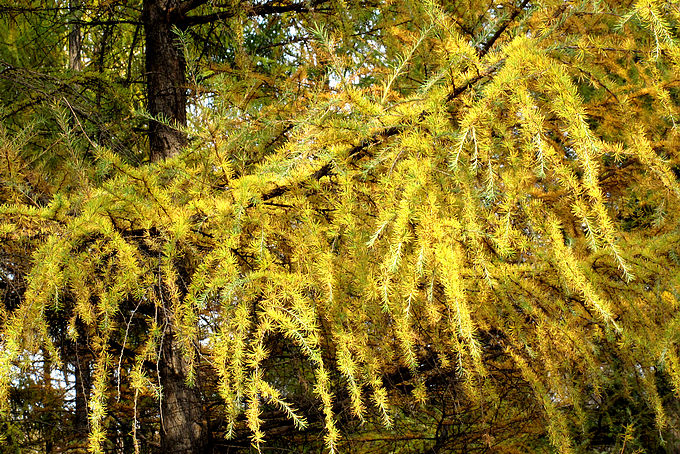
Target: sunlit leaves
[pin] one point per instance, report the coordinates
(471, 209)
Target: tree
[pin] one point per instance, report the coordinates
(435, 201)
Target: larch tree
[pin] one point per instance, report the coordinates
(454, 224)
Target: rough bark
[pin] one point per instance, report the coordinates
(74, 40)
(166, 79)
(184, 428)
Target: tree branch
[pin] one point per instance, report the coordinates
(183, 21)
(363, 148)
(189, 5)
(491, 41)
(355, 153)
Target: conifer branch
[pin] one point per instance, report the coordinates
(362, 149)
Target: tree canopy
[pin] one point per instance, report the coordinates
(419, 226)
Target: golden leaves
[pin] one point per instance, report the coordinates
(470, 205)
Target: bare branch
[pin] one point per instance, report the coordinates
(266, 9)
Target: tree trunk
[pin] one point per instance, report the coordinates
(74, 39)
(184, 427)
(183, 423)
(48, 400)
(166, 79)
(83, 386)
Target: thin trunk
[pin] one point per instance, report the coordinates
(81, 362)
(47, 389)
(108, 29)
(184, 427)
(83, 386)
(74, 40)
(166, 80)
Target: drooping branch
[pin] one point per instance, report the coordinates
(363, 148)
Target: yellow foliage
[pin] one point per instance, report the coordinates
(493, 206)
